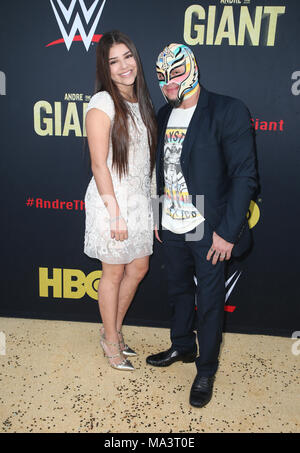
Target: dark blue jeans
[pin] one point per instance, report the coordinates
(201, 305)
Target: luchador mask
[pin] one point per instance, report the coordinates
(170, 60)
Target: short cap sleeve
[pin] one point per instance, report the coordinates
(102, 101)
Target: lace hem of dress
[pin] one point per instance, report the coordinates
(110, 260)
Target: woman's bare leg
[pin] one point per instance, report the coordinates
(108, 295)
(134, 273)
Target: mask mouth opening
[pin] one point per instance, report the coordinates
(175, 103)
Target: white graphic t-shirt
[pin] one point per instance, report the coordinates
(178, 215)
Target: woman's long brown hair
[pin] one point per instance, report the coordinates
(120, 134)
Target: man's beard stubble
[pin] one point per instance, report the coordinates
(175, 103)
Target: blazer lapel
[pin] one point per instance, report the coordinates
(194, 126)
(190, 137)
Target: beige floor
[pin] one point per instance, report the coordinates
(54, 378)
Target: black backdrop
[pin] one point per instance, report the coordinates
(45, 84)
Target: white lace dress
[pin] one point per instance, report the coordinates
(132, 194)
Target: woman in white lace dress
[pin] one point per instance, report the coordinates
(121, 133)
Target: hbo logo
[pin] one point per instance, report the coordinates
(68, 283)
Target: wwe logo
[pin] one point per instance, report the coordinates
(229, 286)
(227, 283)
(77, 24)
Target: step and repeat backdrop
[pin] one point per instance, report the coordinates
(247, 49)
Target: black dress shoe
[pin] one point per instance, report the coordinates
(201, 391)
(170, 356)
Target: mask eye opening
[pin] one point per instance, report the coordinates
(160, 76)
(178, 71)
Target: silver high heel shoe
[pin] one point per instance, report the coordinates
(124, 365)
(124, 347)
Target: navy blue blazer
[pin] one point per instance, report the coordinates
(217, 161)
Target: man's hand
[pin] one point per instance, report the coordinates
(220, 249)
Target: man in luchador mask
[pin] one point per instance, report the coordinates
(214, 160)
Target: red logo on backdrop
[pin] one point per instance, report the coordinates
(65, 19)
(262, 125)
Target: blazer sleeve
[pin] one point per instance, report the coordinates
(239, 150)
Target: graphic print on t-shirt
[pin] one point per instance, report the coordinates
(177, 205)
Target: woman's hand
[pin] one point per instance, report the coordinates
(156, 234)
(118, 229)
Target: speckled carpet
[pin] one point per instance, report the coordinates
(55, 379)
